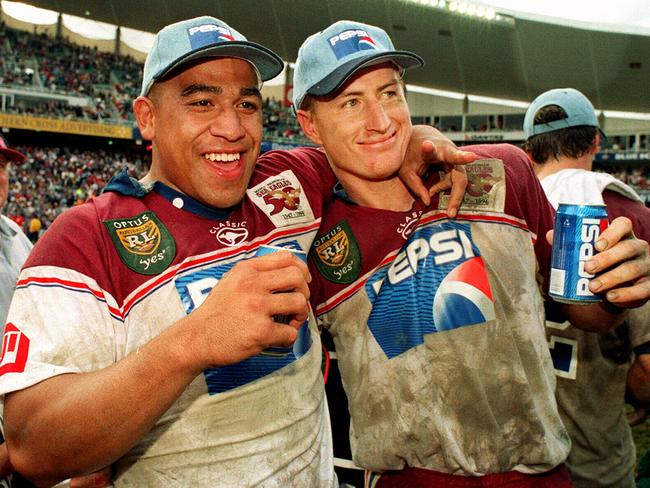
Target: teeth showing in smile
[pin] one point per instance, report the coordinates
(222, 157)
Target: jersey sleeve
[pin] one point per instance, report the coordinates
(60, 319)
(639, 214)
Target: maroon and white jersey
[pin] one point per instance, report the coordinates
(439, 325)
(111, 274)
(592, 368)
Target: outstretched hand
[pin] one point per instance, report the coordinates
(428, 146)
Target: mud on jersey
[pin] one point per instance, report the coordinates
(111, 274)
(439, 326)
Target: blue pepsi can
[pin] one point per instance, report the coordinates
(577, 227)
(263, 250)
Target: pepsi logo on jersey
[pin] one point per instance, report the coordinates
(437, 283)
(464, 297)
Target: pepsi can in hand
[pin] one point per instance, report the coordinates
(283, 319)
(577, 227)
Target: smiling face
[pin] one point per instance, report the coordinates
(205, 124)
(365, 127)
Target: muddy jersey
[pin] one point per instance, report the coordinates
(439, 326)
(111, 274)
(592, 368)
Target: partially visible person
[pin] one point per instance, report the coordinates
(438, 323)
(14, 249)
(593, 370)
(14, 244)
(35, 226)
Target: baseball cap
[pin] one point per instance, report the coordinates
(11, 154)
(204, 37)
(328, 58)
(579, 110)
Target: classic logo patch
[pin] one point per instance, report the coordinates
(336, 254)
(281, 198)
(230, 234)
(486, 186)
(15, 349)
(143, 243)
(410, 222)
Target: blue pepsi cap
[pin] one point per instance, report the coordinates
(204, 37)
(326, 60)
(579, 110)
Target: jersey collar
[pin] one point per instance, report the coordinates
(126, 185)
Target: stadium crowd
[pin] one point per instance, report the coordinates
(638, 178)
(32, 61)
(54, 179)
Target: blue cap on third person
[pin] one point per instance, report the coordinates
(204, 37)
(578, 108)
(326, 60)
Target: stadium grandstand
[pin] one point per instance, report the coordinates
(69, 81)
(69, 72)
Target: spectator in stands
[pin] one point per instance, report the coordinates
(35, 226)
(562, 138)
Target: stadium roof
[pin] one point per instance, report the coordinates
(512, 56)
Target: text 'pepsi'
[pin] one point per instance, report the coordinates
(577, 227)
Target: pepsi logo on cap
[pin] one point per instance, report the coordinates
(351, 41)
(206, 34)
